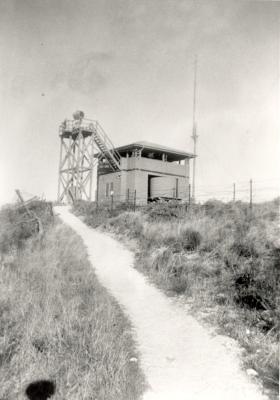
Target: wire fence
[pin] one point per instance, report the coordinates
(254, 191)
(250, 192)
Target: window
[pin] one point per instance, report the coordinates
(107, 189)
(112, 188)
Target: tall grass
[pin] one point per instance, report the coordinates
(58, 323)
(16, 225)
(224, 259)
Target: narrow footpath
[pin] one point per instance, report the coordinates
(180, 358)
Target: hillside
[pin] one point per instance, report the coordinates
(57, 323)
(222, 259)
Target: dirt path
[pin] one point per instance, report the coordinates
(180, 359)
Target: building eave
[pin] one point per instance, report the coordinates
(154, 147)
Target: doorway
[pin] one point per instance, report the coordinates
(151, 193)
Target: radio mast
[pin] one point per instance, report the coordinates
(194, 131)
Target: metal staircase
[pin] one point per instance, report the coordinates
(71, 128)
(106, 147)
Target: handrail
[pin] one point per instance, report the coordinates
(108, 140)
(94, 127)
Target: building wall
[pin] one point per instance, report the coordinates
(103, 180)
(141, 186)
(134, 176)
(156, 166)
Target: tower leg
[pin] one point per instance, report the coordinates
(76, 164)
(59, 171)
(91, 167)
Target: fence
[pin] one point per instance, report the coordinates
(249, 192)
(34, 212)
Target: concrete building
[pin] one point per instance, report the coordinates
(147, 172)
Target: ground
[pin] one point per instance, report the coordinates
(180, 358)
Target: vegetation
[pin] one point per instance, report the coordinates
(16, 225)
(57, 323)
(223, 258)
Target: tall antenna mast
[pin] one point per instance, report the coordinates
(194, 134)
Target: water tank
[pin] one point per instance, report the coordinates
(78, 115)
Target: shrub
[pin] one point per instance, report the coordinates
(16, 225)
(178, 285)
(96, 215)
(161, 258)
(190, 239)
(213, 208)
(165, 210)
(127, 222)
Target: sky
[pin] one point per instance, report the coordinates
(130, 64)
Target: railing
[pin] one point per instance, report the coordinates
(107, 141)
(110, 153)
(70, 125)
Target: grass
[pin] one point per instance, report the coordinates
(223, 259)
(58, 323)
(16, 225)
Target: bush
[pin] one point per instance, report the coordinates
(96, 215)
(84, 207)
(214, 208)
(165, 210)
(191, 239)
(128, 222)
(16, 225)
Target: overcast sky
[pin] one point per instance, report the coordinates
(129, 64)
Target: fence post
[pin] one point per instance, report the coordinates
(134, 201)
(31, 214)
(97, 196)
(251, 195)
(233, 198)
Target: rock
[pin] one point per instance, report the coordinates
(221, 298)
(276, 243)
(170, 359)
(251, 372)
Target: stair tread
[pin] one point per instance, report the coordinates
(108, 152)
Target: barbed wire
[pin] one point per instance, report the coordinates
(262, 190)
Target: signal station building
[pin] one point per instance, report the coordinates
(147, 172)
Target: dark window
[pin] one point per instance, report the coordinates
(107, 189)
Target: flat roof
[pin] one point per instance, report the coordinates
(156, 148)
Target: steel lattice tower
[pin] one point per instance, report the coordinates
(79, 139)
